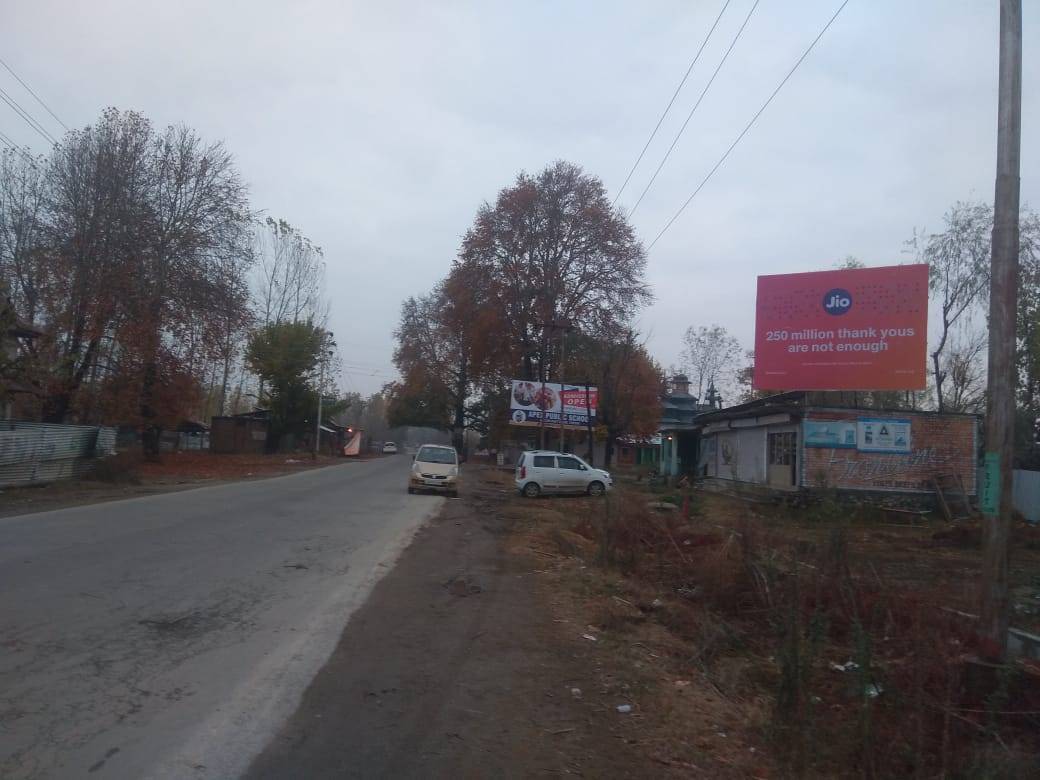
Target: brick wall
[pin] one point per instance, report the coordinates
(939, 445)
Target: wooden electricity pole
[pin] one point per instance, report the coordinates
(1003, 304)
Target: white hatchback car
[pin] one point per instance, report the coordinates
(541, 471)
(390, 448)
(435, 468)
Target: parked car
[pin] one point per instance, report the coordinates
(390, 448)
(541, 471)
(435, 468)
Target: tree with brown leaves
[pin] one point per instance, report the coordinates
(551, 249)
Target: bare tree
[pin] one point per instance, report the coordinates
(849, 263)
(95, 205)
(195, 219)
(21, 230)
(711, 357)
(958, 260)
(964, 370)
(290, 279)
(1028, 357)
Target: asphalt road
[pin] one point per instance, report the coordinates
(172, 635)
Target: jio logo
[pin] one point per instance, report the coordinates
(837, 301)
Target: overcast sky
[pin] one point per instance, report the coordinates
(379, 128)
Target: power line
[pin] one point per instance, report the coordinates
(16, 148)
(693, 110)
(27, 117)
(360, 364)
(667, 108)
(31, 92)
(749, 124)
(366, 364)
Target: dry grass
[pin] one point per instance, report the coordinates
(734, 617)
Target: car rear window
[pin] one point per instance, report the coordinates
(435, 455)
(544, 461)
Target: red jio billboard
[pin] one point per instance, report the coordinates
(853, 329)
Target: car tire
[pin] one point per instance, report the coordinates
(596, 488)
(453, 494)
(531, 490)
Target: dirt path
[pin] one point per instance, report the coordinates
(454, 667)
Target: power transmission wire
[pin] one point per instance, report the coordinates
(358, 364)
(749, 124)
(27, 117)
(367, 364)
(667, 108)
(350, 381)
(31, 92)
(693, 110)
(16, 148)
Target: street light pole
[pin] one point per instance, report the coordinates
(563, 363)
(325, 351)
(588, 425)
(996, 500)
(541, 397)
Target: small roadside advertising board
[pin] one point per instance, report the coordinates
(882, 435)
(542, 403)
(830, 433)
(850, 329)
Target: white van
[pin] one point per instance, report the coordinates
(541, 471)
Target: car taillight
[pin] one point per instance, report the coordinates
(523, 472)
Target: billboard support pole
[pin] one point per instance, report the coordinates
(588, 423)
(996, 500)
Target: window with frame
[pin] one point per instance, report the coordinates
(544, 462)
(782, 448)
(569, 463)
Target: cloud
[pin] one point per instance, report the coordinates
(379, 129)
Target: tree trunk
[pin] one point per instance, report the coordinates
(56, 408)
(152, 432)
(458, 428)
(940, 404)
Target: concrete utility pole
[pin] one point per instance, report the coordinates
(1003, 305)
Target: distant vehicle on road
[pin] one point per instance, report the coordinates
(542, 471)
(435, 468)
(390, 448)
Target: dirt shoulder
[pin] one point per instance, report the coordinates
(459, 666)
(129, 477)
(739, 642)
